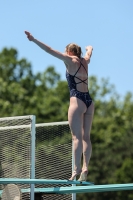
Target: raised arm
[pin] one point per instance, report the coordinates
(88, 54)
(57, 54)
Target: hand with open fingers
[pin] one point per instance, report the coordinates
(89, 48)
(29, 36)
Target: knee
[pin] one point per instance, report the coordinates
(76, 137)
(86, 138)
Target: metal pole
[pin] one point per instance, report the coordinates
(33, 119)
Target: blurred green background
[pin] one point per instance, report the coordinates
(46, 96)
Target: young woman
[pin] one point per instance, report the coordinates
(81, 108)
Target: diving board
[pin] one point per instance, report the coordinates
(65, 190)
(86, 189)
(41, 181)
(81, 189)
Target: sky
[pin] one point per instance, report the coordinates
(107, 25)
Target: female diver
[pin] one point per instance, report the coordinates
(81, 108)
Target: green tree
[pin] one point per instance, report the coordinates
(22, 93)
(111, 134)
(47, 97)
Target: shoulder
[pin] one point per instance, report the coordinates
(75, 59)
(84, 63)
(72, 60)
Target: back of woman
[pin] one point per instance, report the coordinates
(77, 77)
(79, 70)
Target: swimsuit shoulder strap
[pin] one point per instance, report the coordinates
(79, 68)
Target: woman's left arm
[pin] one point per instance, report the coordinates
(57, 54)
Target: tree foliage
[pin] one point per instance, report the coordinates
(46, 96)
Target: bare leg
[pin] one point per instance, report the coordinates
(75, 116)
(87, 147)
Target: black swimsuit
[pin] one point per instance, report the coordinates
(84, 96)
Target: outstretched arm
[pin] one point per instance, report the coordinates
(88, 54)
(48, 49)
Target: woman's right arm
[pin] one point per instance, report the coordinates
(62, 56)
(88, 54)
